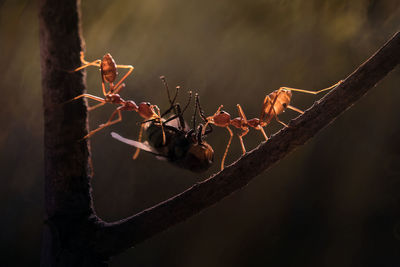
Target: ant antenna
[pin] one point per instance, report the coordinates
(201, 112)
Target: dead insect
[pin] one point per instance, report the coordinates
(274, 104)
(109, 73)
(183, 147)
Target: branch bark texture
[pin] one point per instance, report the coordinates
(68, 202)
(115, 237)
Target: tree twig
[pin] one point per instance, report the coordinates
(115, 237)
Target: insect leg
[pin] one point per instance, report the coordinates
(162, 127)
(311, 92)
(115, 89)
(179, 114)
(278, 120)
(110, 120)
(88, 96)
(96, 106)
(104, 125)
(261, 129)
(227, 147)
(136, 154)
(241, 139)
(86, 64)
(241, 113)
(188, 103)
(295, 109)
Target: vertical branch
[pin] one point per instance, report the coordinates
(68, 201)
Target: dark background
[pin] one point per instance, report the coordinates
(333, 202)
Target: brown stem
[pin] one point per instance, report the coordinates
(117, 236)
(70, 219)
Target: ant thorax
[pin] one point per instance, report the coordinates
(222, 119)
(114, 98)
(145, 110)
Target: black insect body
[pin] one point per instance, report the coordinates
(174, 141)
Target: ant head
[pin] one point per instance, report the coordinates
(146, 110)
(221, 119)
(287, 92)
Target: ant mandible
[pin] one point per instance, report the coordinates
(274, 104)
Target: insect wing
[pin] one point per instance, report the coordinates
(142, 146)
(175, 123)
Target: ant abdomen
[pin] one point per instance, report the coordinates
(108, 68)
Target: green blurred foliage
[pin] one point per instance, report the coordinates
(334, 202)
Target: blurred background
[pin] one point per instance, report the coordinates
(333, 202)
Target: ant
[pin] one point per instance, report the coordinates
(109, 73)
(274, 104)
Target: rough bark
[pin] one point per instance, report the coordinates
(74, 235)
(70, 218)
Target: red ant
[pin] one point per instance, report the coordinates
(108, 69)
(274, 104)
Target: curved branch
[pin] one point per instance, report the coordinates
(115, 237)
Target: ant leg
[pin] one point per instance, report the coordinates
(295, 109)
(108, 123)
(311, 92)
(86, 64)
(209, 130)
(82, 56)
(88, 96)
(210, 120)
(241, 113)
(102, 101)
(103, 87)
(241, 139)
(136, 154)
(227, 147)
(162, 127)
(278, 120)
(111, 121)
(96, 106)
(117, 88)
(261, 129)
